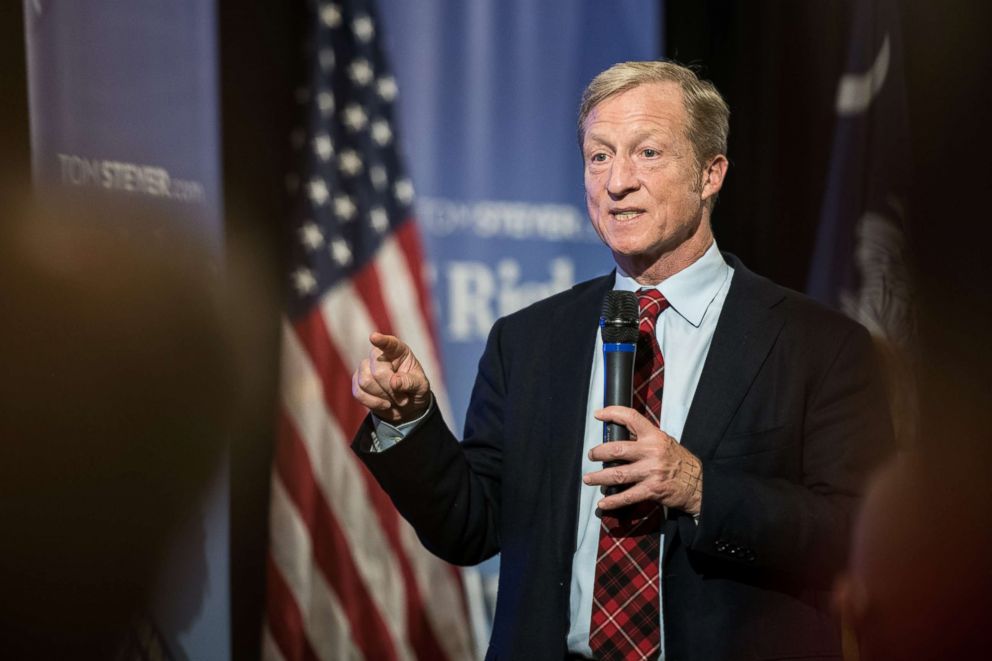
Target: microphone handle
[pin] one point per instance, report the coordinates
(618, 390)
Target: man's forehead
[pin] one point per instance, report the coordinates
(642, 108)
(650, 92)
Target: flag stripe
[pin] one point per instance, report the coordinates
(348, 317)
(331, 551)
(333, 371)
(366, 280)
(285, 619)
(326, 626)
(447, 611)
(423, 313)
(348, 324)
(270, 651)
(402, 300)
(409, 240)
(352, 494)
(290, 561)
(424, 641)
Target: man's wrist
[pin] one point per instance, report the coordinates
(387, 434)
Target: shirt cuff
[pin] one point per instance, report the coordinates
(386, 435)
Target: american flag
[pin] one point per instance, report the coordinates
(347, 578)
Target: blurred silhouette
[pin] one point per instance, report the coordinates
(118, 385)
(919, 585)
(919, 582)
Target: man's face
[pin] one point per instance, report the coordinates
(643, 187)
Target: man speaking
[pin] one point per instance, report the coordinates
(756, 415)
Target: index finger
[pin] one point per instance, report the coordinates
(627, 451)
(390, 346)
(627, 417)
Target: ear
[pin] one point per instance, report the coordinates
(712, 176)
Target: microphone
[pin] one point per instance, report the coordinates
(619, 325)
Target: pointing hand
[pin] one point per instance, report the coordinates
(391, 382)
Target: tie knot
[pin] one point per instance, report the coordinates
(651, 303)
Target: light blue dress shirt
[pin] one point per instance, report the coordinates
(685, 331)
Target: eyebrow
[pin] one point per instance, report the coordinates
(638, 137)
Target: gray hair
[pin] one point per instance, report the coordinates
(709, 115)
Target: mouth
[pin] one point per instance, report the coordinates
(625, 214)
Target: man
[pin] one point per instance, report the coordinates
(757, 415)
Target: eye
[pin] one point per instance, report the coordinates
(651, 153)
(598, 157)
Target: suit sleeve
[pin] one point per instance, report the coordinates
(801, 527)
(450, 491)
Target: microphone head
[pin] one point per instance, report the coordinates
(620, 318)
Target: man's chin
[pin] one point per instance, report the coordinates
(634, 262)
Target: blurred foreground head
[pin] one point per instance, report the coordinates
(919, 585)
(116, 399)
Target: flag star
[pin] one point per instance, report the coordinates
(325, 103)
(355, 118)
(404, 191)
(326, 59)
(379, 219)
(381, 132)
(386, 88)
(302, 94)
(304, 281)
(361, 72)
(350, 163)
(322, 146)
(379, 177)
(292, 182)
(317, 190)
(311, 236)
(340, 252)
(363, 28)
(344, 208)
(330, 14)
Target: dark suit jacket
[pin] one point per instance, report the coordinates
(788, 418)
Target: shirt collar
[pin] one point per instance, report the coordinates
(691, 290)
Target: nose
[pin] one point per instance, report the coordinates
(623, 177)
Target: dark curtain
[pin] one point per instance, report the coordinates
(777, 63)
(260, 67)
(15, 166)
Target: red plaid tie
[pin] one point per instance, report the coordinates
(625, 599)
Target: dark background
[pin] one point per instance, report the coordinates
(15, 139)
(777, 64)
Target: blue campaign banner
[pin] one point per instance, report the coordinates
(123, 103)
(124, 110)
(488, 98)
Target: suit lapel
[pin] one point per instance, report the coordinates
(576, 323)
(748, 327)
(745, 333)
